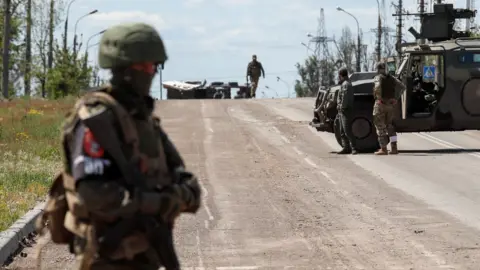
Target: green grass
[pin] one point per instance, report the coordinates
(29, 153)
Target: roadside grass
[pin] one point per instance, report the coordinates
(29, 153)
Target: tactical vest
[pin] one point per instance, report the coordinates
(385, 89)
(64, 213)
(255, 70)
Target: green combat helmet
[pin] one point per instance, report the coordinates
(125, 44)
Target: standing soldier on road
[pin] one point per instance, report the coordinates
(125, 182)
(345, 112)
(387, 90)
(254, 70)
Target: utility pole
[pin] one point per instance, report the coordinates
(28, 50)
(379, 35)
(422, 12)
(399, 28)
(321, 50)
(6, 47)
(161, 85)
(50, 34)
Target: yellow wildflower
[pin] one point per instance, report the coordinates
(33, 111)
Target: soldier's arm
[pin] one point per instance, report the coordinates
(248, 68)
(263, 71)
(187, 186)
(340, 96)
(399, 88)
(98, 180)
(350, 95)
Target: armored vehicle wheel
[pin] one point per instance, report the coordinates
(363, 130)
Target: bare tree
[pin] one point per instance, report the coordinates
(347, 48)
(28, 49)
(41, 35)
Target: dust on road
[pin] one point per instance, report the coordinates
(276, 198)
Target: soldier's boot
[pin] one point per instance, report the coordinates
(394, 150)
(382, 151)
(354, 151)
(346, 148)
(345, 151)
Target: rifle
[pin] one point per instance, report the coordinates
(159, 232)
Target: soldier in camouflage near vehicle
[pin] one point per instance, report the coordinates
(345, 101)
(387, 90)
(254, 70)
(125, 182)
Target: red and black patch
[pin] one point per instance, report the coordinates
(91, 146)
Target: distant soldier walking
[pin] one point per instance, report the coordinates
(387, 90)
(345, 112)
(254, 70)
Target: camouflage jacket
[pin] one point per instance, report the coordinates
(345, 96)
(398, 91)
(255, 69)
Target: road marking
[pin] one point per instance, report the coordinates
(329, 178)
(208, 125)
(310, 162)
(199, 250)
(444, 143)
(205, 197)
(298, 151)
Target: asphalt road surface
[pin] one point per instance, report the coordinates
(275, 197)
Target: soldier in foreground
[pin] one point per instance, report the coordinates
(387, 90)
(125, 182)
(345, 112)
(254, 70)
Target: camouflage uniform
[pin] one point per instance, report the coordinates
(345, 100)
(97, 193)
(254, 70)
(387, 90)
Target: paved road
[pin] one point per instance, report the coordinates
(276, 198)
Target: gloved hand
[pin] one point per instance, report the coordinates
(171, 204)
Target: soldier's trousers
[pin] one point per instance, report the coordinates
(348, 139)
(253, 89)
(383, 116)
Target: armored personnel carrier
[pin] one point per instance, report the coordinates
(442, 79)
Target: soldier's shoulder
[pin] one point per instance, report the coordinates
(94, 102)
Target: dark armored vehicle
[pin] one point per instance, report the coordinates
(442, 80)
(200, 90)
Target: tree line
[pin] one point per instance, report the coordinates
(315, 73)
(35, 62)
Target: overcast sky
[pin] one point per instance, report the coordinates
(214, 39)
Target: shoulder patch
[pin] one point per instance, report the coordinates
(90, 145)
